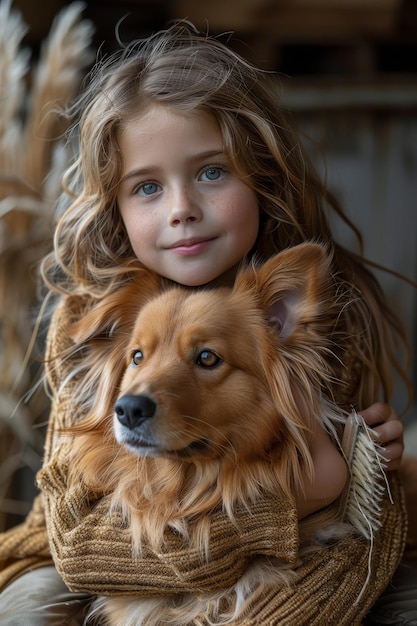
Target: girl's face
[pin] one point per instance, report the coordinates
(187, 216)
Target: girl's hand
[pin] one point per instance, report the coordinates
(389, 430)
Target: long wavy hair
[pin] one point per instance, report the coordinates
(186, 70)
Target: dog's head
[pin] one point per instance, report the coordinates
(228, 372)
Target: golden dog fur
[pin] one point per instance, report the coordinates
(228, 379)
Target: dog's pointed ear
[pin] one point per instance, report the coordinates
(292, 286)
(119, 309)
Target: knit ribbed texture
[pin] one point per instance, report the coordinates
(329, 588)
(86, 540)
(93, 551)
(24, 547)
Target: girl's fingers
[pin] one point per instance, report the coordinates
(392, 454)
(379, 413)
(389, 431)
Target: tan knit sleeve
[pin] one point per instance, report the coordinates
(25, 546)
(339, 584)
(93, 551)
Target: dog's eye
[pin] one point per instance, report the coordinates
(207, 358)
(137, 357)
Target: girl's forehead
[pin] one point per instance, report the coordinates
(161, 136)
(173, 124)
(161, 113)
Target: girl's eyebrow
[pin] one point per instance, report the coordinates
(148, 169)
(209, 154)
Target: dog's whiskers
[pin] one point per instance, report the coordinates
(225, 445)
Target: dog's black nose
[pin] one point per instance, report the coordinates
(132, 411)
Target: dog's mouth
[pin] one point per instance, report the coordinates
(146, 448)
(200, 446)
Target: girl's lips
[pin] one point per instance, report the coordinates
(191, 247)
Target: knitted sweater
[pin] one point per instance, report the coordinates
(91, 547)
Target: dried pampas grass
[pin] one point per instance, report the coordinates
(32, 159)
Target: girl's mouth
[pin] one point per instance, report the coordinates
(190, 247)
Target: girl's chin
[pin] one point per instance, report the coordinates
(203, 279)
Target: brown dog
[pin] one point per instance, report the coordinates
(203, 403)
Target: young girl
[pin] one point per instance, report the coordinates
(187, 166)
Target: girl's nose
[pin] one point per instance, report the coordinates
(184, 208)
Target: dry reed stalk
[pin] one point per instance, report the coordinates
(32, 159)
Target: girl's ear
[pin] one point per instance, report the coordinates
(292, 287)
(117, 310)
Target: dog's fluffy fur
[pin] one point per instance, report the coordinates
(203, 400)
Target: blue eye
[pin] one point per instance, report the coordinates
(211, 173)
(137, 357)
(148, 189)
